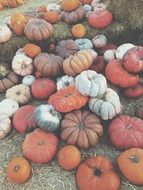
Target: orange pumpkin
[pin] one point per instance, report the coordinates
(69, 157)
(18, 28)
(86, 1)
(71, 5)
(78, 31)
(15, 18)
(52, 17)
(32, 50)
(18, 170)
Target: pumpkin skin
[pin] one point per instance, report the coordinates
(23, 119)
(31, 50)
(18, 170)
(43, 88)
(107, 106)
(98, 65)
(130, 163)
(95, 84)
(65, 81)
(17, 17)
(97, 173)
(109, 55)
(5, 126)
(100, 19)
(87, 8)
(48, 65)
(116, 74)
(99, 41)
(67, 99)
(52, 17)
(78, 62)
(38, 29)
(69, 157)
(18, 28)
(28, 80)
(133, 92)
(78, 31)
(39, 146)
(84, 44)
(65, 48)
(69, 5)
(81, 128)
(47, 118)
(129, 130)
(5, 33)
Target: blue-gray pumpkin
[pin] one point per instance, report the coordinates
(84, 44)
(47, 118)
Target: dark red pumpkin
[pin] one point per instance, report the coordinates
(126, 132)
(43, 88)
(133, 92)
(98, 65)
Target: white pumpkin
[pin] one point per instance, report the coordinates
(99, 41)
(65, 81)
(99, 7)
(109, 55)
(20, 51)
(5, 33)
(90, 83)
(87, 7)
(107, 106)
(28, 80)
(95, 3)
(5, 126)
(122, 50)
(53, 7)
(22, 64)
(8, 107)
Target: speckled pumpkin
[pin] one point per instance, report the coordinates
(5, 126)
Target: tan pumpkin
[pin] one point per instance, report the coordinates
(5, 125)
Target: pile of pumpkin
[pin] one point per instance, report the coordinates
(10, 3)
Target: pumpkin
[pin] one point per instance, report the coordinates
(86, 1)
(53, 7)
(28, 80)
(39, 146)
(19, 93)
(18, 170)
(5, 33)
(69, 5)
(52, 17)
(133, 60)
(116, 74)
(65, 48)
(97, 173)
(78, 62)
(47, 118)
(99, 41)
(48, 65)
(43, 88)
(73, 17)
(94, 3)
(87, 8)
(17, 17)
(22, 65)
(98, 65)
(107, 106)
(65, 81)
(81, 128)
(109, 55)
(67, 99)
(130, 163)
(95, 84)
(100, 19)
(31, 50)
(130, 131)
(5, 126)
(38, 29)
(23, 119)
(109, 46)
(78, 31)
(133, 92)
(8, 107)
(139, 112)
(99, 7)
(69, 157)
(84, 43)
(122, 50)
(18, 28)
(7, 77)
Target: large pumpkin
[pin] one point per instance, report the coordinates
(68, 99)
(48, 65)
(116, 73)
(5, 126)
(39, 146)
(130, 163)
(81, 128)
(69, 5)
(97, 173)
(130, 131)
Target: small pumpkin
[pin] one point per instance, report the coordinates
(31, 50)
(130, 163)
(23, 120)
(28, 80)
(107, 106)
(18, 170)
(84, 43)
(87, 8)
(67, 99)
(99, 7)
(65, 81)
(52, 17)
(69, 157)
(69, 5)
(97, 173)
(5, 33)
(18, 28)
(95, 85)
(39, 146)
(99, 41)
(17, 17)
(98, 65)
(53, 7)
(133, 92)
(109, 55)
(5, 126)
(78, 31)
(19, 93)
(81, 128)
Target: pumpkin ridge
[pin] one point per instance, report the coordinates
(94, 132)
(75, 62)
(76, 129)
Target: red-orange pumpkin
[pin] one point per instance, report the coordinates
(52, 17)
(133, 92)
(32, 50)
(86, 1)
(18, 28)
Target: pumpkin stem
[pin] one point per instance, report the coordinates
(134, 159)
(16, 168)
(40, 142)
(81, 126)
(97, 172)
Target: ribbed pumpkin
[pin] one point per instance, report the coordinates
(81, 128)
(68, 99)
(5, 126)
(31, 50)
(69, 5)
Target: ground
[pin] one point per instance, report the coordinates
(50, 176)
